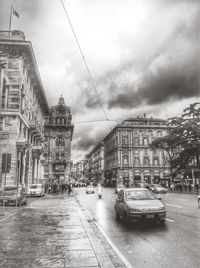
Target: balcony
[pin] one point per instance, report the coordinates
(22, 143)
(35, 129)
(37, 151)
(12, 35)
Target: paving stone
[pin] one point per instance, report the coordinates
(82, 262)
(49, 262)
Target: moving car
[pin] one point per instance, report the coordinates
(198, 200)
(15, 195)
(89, 189)
(36, 190)
(158, 189)
(119, 187)
(136, 204)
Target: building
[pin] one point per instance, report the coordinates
(94, 171)
(58, 135)
(128, 157)
(23, 107)
(78, 170)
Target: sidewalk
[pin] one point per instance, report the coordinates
(53, 232)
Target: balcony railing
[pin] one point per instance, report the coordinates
(12, 35)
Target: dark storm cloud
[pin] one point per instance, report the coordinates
(89, 135)
(174, 78)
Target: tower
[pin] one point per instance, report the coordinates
(58, 136)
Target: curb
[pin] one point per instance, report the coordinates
(121, 257)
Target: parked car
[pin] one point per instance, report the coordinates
(36, 190)
(158, 189)
(89, 189)
(136, 204)
(198, 200)
(16, 195)
(119, 187)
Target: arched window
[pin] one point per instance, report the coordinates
(60, 141)
(125, 160)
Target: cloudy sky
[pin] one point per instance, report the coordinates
(144, 57)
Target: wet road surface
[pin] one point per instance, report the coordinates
(52, 232)
(176, 244)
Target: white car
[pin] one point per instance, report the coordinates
(89, 189)
(36, 190)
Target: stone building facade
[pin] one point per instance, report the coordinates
(128, 157)
(58, 135)
(94, 171)
(23, 109)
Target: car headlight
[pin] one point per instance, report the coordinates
(161, 208)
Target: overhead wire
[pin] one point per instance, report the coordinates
(87, 67)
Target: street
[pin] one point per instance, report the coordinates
(176, 244)
(81, 231)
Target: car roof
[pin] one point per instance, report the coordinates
(134, 189)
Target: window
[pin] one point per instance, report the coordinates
(1, 123)
(156, 161)
(136, 141)
(125, 160)
(146, 161)
(145, 141)
(137, 161)
(60, 141)
(6, 163)
(124, 140)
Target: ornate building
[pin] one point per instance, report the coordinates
(23, 106)
(58, 136)
(127, 155)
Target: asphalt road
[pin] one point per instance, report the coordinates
(176, 244)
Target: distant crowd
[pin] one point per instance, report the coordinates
(57, 187)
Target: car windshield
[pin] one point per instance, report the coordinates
(35, 186)
(139, 195)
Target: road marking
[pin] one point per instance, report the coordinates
(172, 205)
(120, 255)
(169, 220)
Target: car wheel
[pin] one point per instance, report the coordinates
(125, 218)
(117, 215)
(19, 203)
(199, 202)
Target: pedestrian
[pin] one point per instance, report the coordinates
(49, 188)
(69, 188)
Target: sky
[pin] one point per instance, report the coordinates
(143, 55)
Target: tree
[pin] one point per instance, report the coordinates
(182, 144)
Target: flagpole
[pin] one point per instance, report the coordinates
(11, 10)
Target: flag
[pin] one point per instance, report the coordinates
(15, 13)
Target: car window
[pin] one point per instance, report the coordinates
(139, 195)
